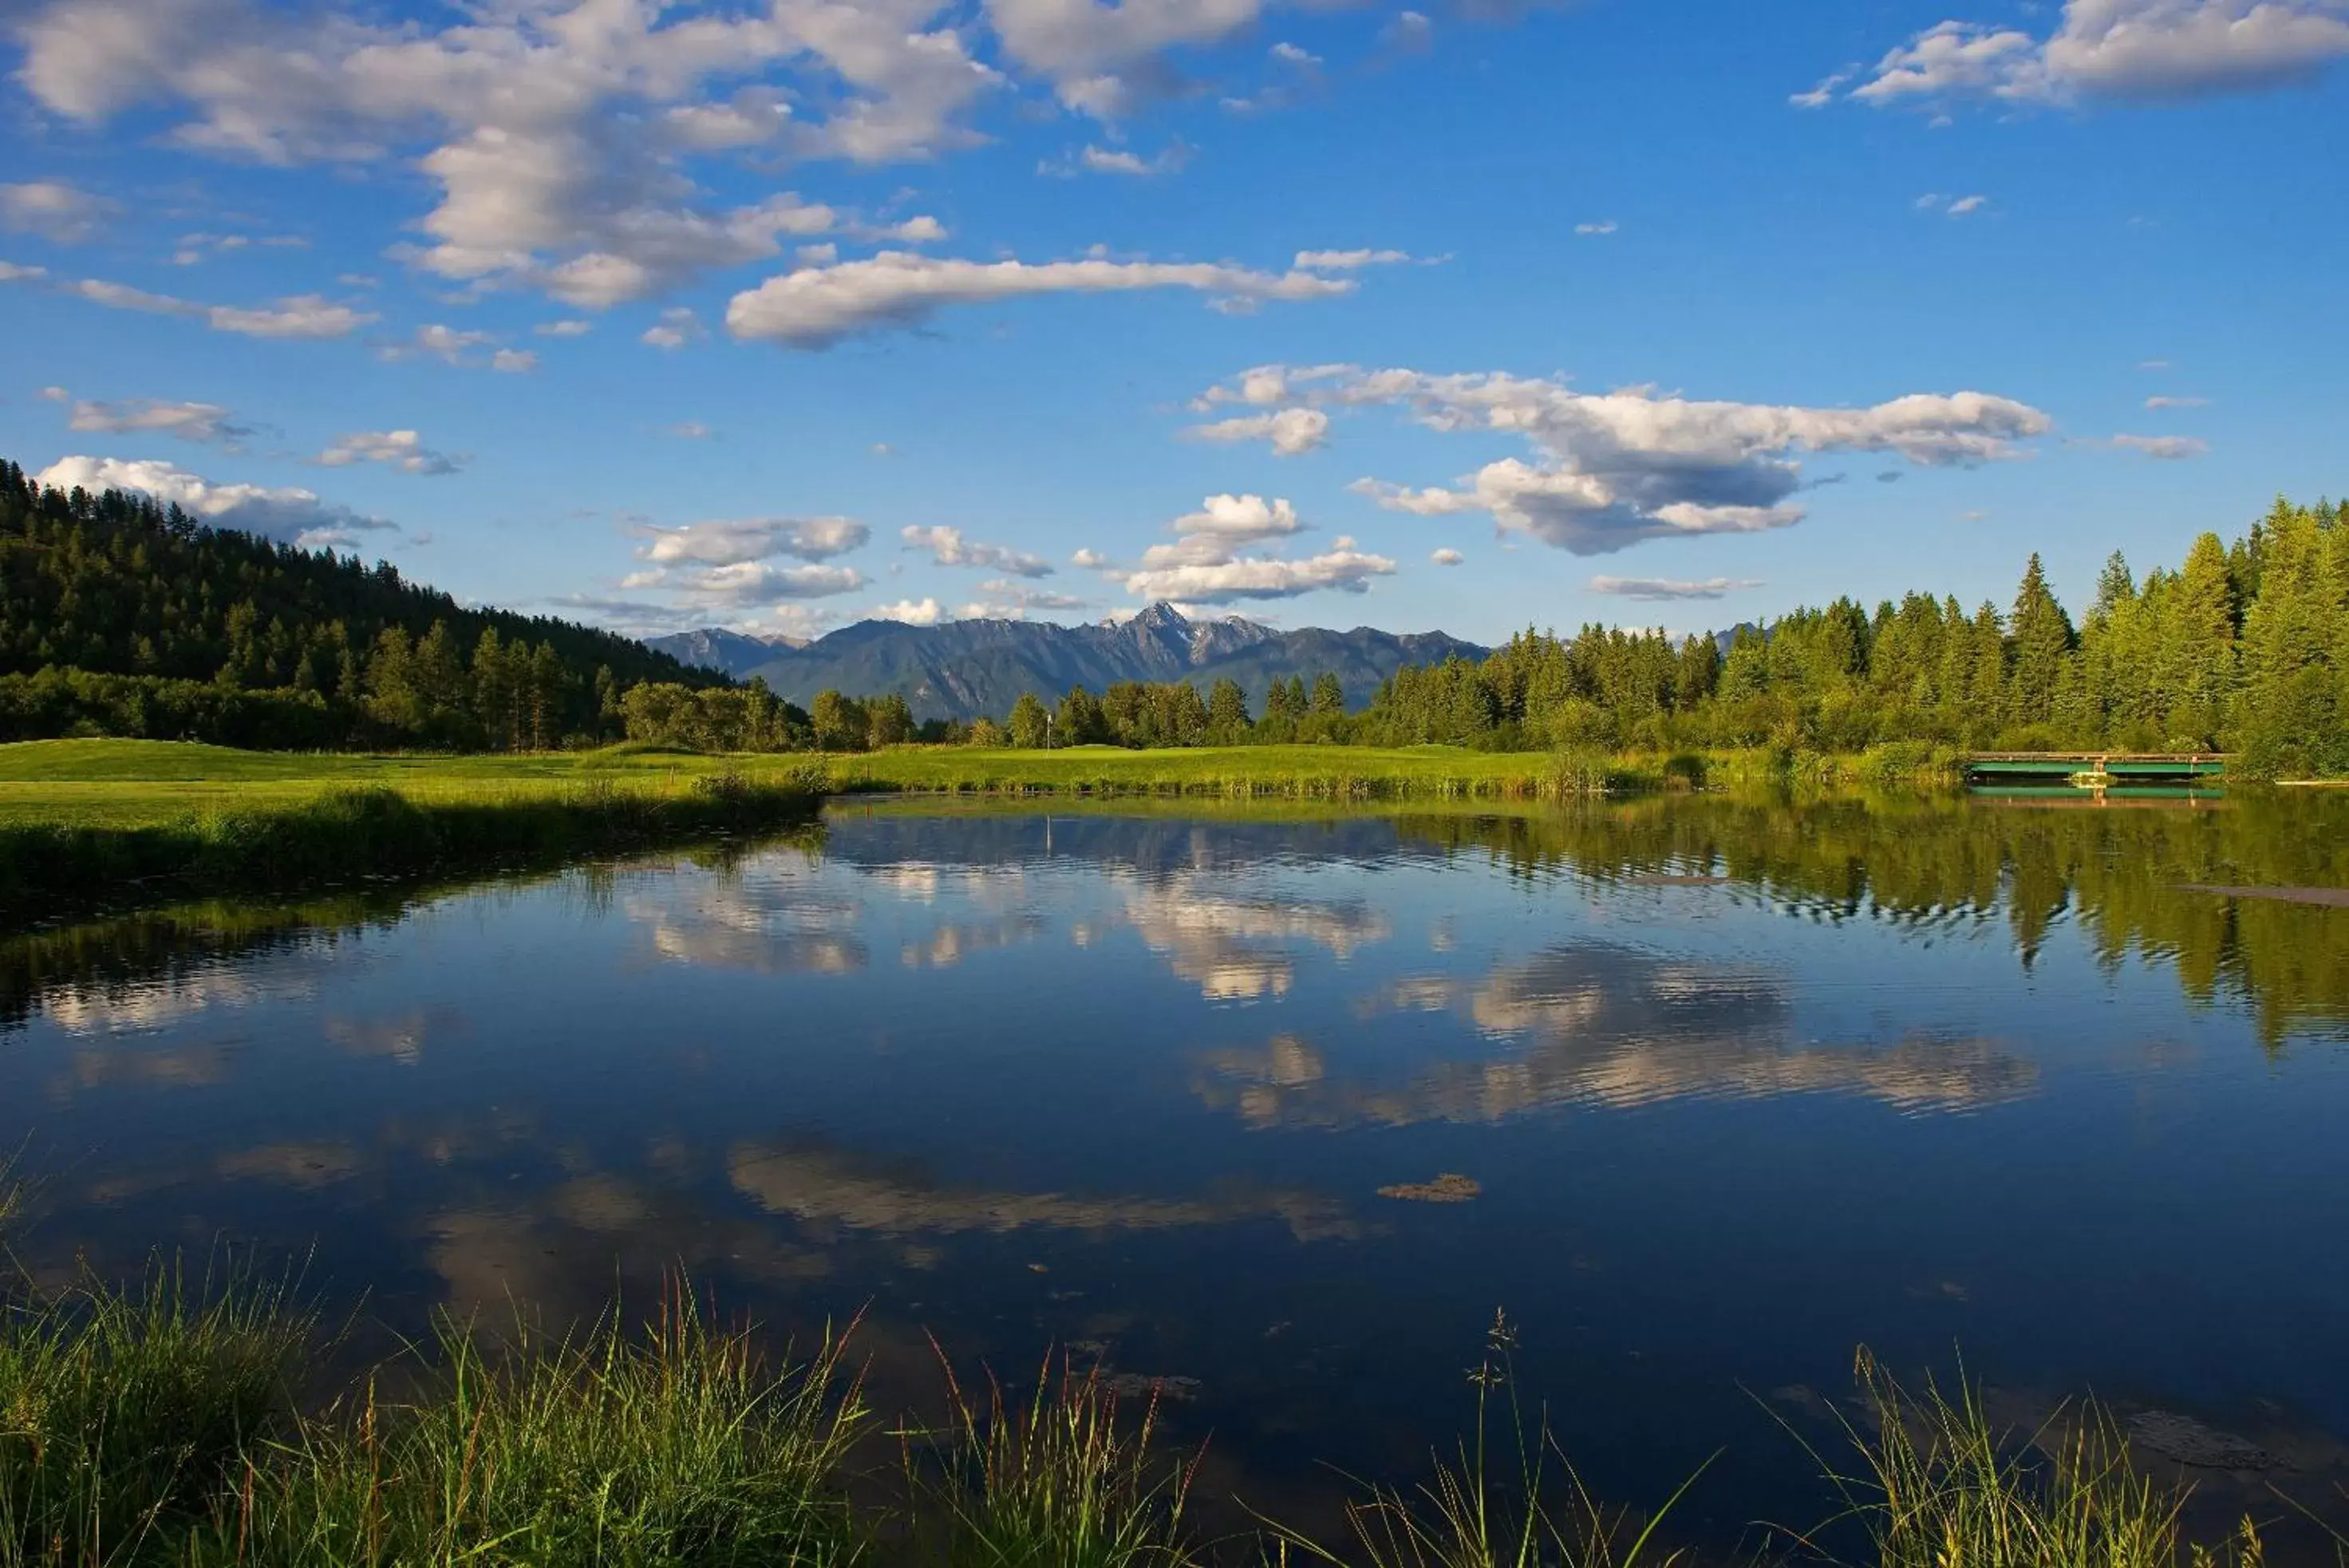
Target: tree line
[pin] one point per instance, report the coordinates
(118, 615)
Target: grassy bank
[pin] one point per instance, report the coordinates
(1367, 772)
(174, 1425)
(84, 823)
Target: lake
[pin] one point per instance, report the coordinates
(1702, 1093)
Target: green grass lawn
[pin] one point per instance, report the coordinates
(131, 783)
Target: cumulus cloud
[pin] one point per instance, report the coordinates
(1089, 560)
(677, 327)
(1445, 557)
(947, 547)
(55, 211)
(199, 422)
(288, 515)
(559, 137)
(1290, 432)
(572, 326)
(2162, 448)
(1105, 59)
(402, 449)
(817, 307)
(1659, 590)
(1612, 469)
(729, 543)
(514, 361)
(912, 612)
(1238, 519)
(1204, 566)
(2122, 50)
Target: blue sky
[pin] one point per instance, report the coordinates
(785, 314)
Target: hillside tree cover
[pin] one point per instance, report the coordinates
(121, 617)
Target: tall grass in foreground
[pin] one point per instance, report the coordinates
(1058, 1482)
(162, 1424)
(687, 1445)
(1941, 1487)
(124, 1414)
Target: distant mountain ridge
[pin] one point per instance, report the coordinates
(965, 669)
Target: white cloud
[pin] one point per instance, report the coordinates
(1089, 560)
(1008, 600)
(571, 327)
(947, 547)
(2126, 49)
(289, 515)
(56, 211)
(729, 544)
(912, 612)
(1203, 567)
(1093, 159)
(559, 136)
(200, 422)
(306, 316)
(688, 430)
(1955, 207)
(1291, 431)
(1612, 468)
(2158, 403)
(1445, 557)
(1238, 518)
(402, 449)
(1603, 227)
(1292, 55)
(448, 344)
(1966, 205)
(1411, 33)
(1659, 590)
(2165, 448)
(514, 361)
(817, 307)
(1243, 578)
(1822, 95)
(1104, 60)
(1347, 261)
(677, 327)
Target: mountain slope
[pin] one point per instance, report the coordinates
(715, 648)
(964, 669)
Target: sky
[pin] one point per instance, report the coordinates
(785, 314)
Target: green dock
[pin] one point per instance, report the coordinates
(2094, 770)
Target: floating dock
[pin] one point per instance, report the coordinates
(2094, 770)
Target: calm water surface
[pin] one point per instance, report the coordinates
(1742, 1085)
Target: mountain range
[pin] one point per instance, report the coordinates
(967, 669)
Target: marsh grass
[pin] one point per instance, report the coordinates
(1507, 1497)
(123, 1414)
(1939, 1485)
(1068, 1478)
(684, 1443)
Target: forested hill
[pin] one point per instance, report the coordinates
(118, 615)
(967, 670)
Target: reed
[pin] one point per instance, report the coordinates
(684, 1444)
(1063, 1480)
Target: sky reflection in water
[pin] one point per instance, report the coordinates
(1133, 1082)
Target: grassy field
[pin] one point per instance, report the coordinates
(87, 824)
